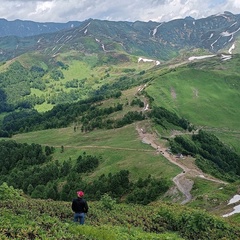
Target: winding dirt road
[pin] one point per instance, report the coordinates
(183, 181)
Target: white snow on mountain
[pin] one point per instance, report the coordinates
(226, 34)
(233, 24)
(235, 199)
(236, 210)
(156, 62)
(214, 42)
(200, 57)
(155, 29)
(231, 48)
(211, 36)
(225, 57)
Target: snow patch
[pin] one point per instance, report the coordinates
(231, 48)
(235, 199)
(226, 34)
(225, 57)
(211, 36)
(156, 62)
(103, 47)
(155, 29)
(236, 210)
(84, 28)
(85, 32)
(233, 24)
(220, 15)
(200, 57)
(214, 42)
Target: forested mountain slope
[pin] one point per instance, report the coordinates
(92, 107)
(161, 41)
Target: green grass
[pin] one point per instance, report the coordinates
(206, 93)
(77, 70)
(208, 195)
(119, 149)
(231, 138)
(202, 97)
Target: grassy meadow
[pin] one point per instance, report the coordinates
(84, 68)
(119, 149)
(206, 93)
(203, 98)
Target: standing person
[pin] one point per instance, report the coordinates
(79, 207)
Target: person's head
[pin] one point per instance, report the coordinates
(80, 194)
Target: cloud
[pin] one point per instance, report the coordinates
(125, 10)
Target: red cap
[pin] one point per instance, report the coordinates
(80, 193)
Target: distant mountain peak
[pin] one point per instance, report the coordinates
(25, 28)
(153, 40)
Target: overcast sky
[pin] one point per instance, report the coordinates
(115, 10)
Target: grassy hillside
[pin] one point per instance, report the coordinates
(204, 92)
(119, 148)
(41, 81)
(123, 148)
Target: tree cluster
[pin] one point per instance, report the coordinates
(207, 146)
(137, 102)
(29, 167)
(162, 116)
(31, 120)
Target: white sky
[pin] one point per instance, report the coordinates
(120, 10)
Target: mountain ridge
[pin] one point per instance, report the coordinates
(162, 41)
(24, 28)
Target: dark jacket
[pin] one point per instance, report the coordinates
(79, 205)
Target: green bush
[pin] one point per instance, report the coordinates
(8, 192)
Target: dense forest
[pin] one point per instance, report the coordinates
(88, 113)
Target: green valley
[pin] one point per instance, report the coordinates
(153, 141)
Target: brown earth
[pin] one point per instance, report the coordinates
(183, 181)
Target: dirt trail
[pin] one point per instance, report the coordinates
(183, 180)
